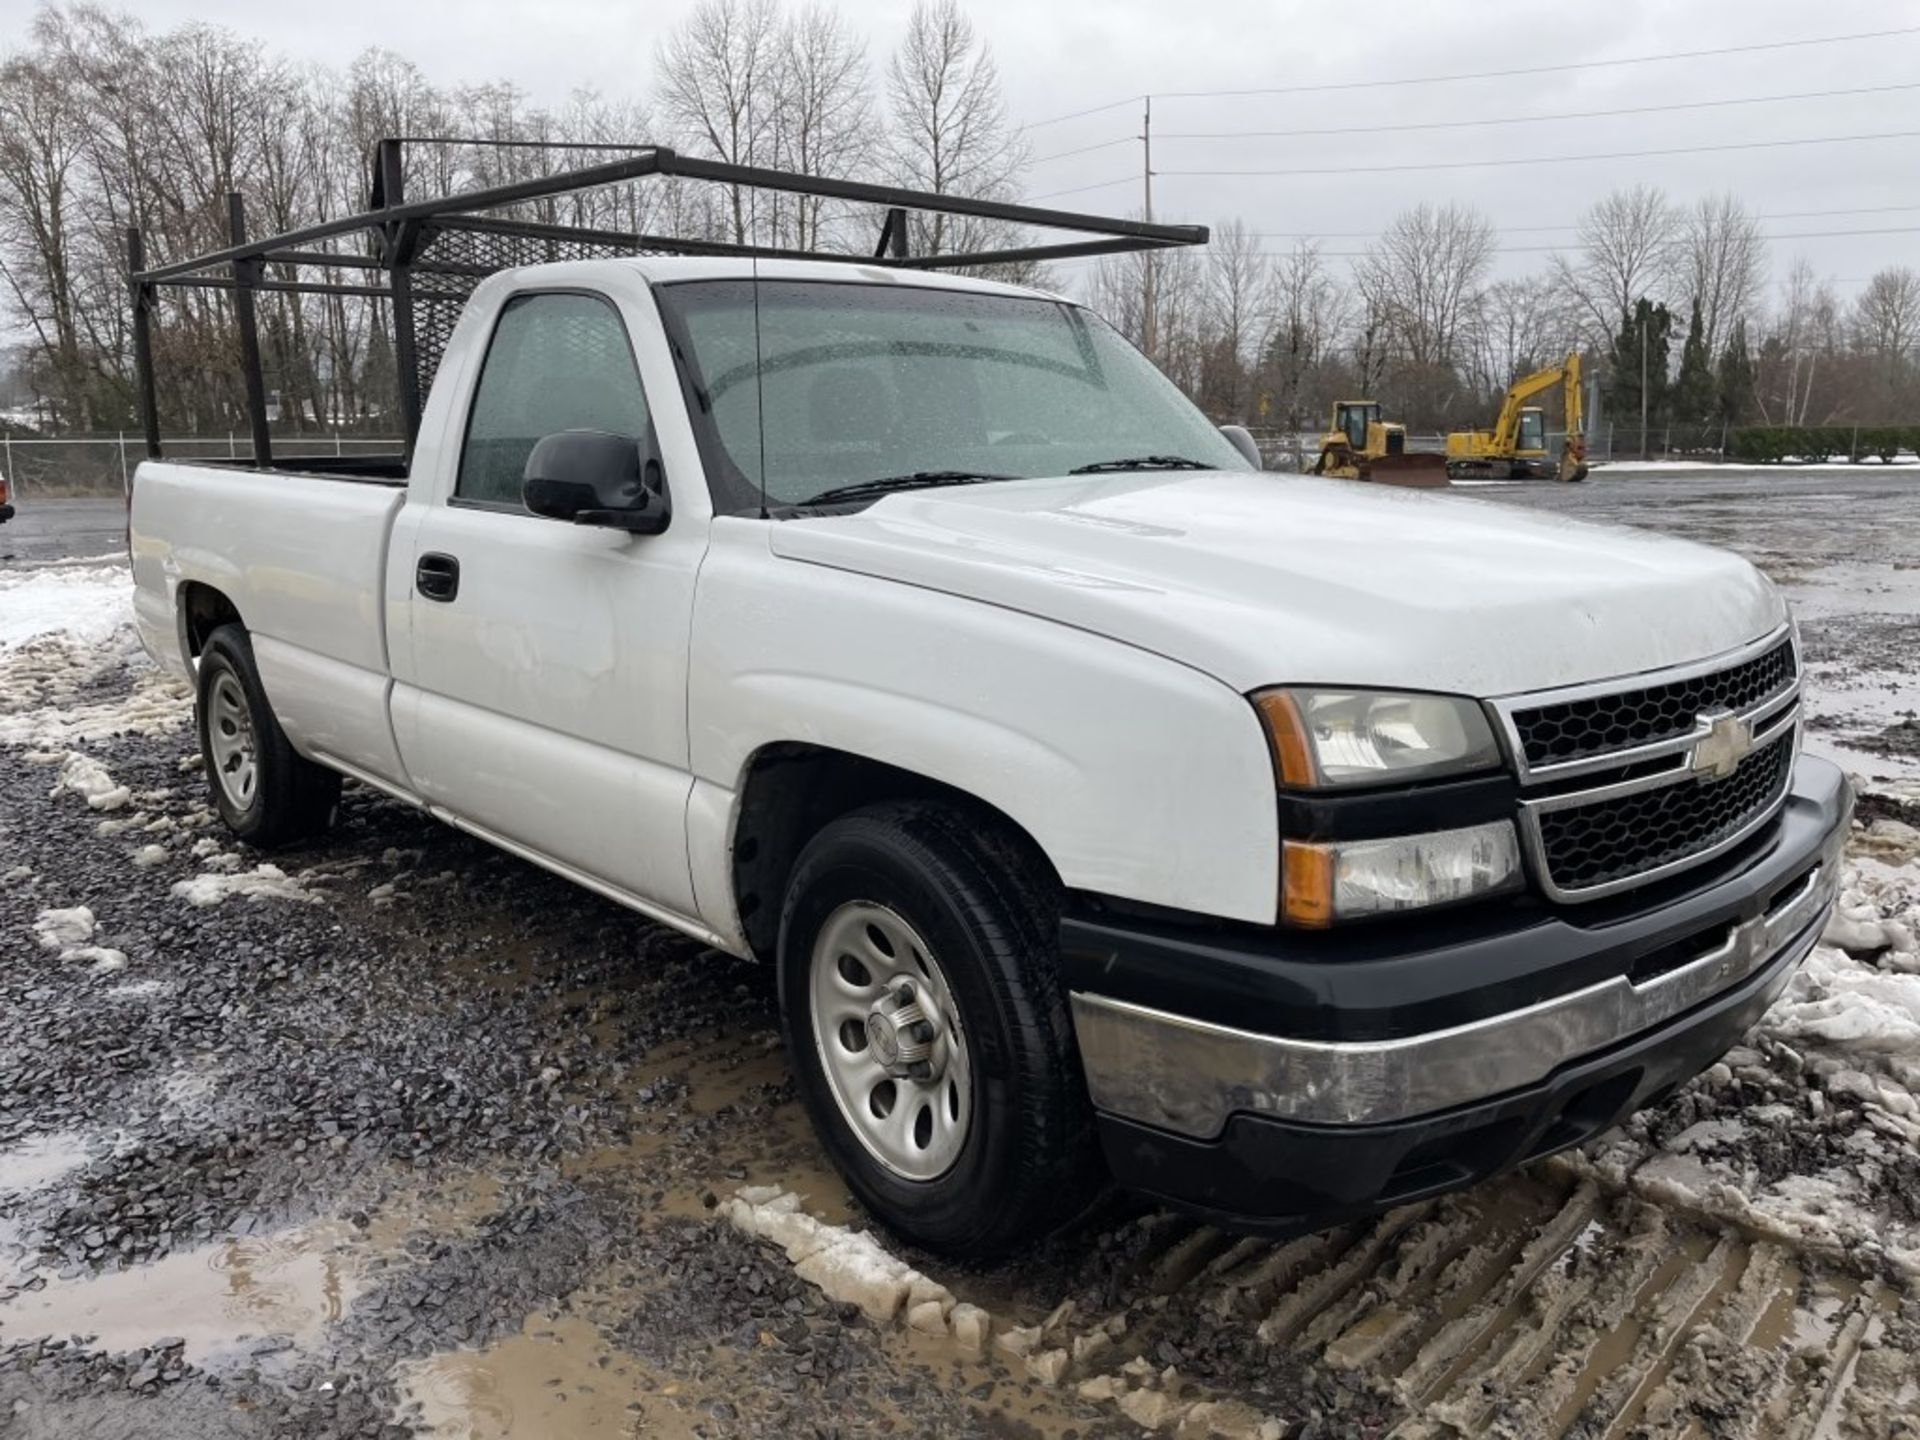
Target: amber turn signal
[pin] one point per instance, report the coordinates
(1306, 885)
(1287, 734)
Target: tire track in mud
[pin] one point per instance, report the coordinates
(1532, 1309)
(1541, 1307)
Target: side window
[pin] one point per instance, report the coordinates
(556, 362)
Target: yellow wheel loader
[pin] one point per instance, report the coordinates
(1516, 447)
(1359, 445)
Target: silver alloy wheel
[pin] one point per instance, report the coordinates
(890, 1040)
(230, 738)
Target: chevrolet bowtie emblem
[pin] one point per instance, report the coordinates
(1718, 753)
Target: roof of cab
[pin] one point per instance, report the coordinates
(665, 269)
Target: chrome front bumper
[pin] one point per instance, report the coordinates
(1188, 1076)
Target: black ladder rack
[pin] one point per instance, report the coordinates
(426, 256)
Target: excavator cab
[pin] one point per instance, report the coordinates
(1531, 438)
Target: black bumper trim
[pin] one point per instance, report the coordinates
(1280, 1177)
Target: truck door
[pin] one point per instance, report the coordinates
(542, 696)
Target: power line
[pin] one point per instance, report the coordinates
(1555, 159)
(1080, 189)
(1544, 69)
(1077, 114)
(1489, 74)
(1087, 149)
(1527, 119)
(1548, 229)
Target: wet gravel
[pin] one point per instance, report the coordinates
(437, 1012)
(510, 1105)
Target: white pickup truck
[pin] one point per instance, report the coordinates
(1284, 848)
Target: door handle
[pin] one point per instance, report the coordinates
(437, 577)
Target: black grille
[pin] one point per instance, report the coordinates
(1599, 724)
(1589, 845)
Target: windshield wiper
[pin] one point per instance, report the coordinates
(1140, 462)
(919, 479)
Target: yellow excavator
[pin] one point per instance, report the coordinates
(1359, 445)
(1516, 447)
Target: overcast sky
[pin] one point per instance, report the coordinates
(1058, 56)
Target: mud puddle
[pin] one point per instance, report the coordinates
(39, 1161)
(246, 1299)
(235, 1300)
(553, 1378)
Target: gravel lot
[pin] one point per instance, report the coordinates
(398, 1136)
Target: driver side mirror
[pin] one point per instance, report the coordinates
(593, 478)
(1243, 441)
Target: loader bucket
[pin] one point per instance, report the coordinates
(1573, 462)
(1414, 471)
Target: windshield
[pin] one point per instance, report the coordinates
(867, 382)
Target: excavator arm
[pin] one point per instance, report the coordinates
(1506, 428)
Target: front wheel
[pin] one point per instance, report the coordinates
(922, 1006)
(267, 792)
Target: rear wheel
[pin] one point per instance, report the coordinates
(929, 1031)
(266, 792)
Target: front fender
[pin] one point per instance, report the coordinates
(1139, 777)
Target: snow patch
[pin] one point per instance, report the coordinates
(847, 1265)
(88, 778)
(138, 990)
(1612, 469)
(262, 882)
(1845, 1004)
(63, 929)
(68, 932)
(88, 602)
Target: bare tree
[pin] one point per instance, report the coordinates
(718, 79)
(1234, 298)
(1626, 251)
(1721, 260)
(1525, 324)
(1886, 317)
(42, 135)
(1804, 333)
(1307, 311)
(1886, 337)
(950, 130)
(1422, 278)
(824, 116)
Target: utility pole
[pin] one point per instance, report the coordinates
(1643, 316)
(1149, 302)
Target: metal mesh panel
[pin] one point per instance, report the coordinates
(440, 297)
(1590, 845)
(1578, 729)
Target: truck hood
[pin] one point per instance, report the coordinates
(1261, 579)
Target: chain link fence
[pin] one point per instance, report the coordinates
(1282, 449)
(104, 464)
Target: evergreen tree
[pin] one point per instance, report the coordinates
(1651, 326)
(1696, 399)
(1735, 380)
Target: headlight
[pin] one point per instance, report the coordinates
(1345, 880)
(1325, 739)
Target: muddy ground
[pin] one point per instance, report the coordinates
(394, 1136)
(1845, 544)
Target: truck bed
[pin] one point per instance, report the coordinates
(384, 469)
(302, 558)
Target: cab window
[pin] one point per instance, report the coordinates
(556, 362)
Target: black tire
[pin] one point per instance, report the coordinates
(1030, 1158)
(292, 798)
